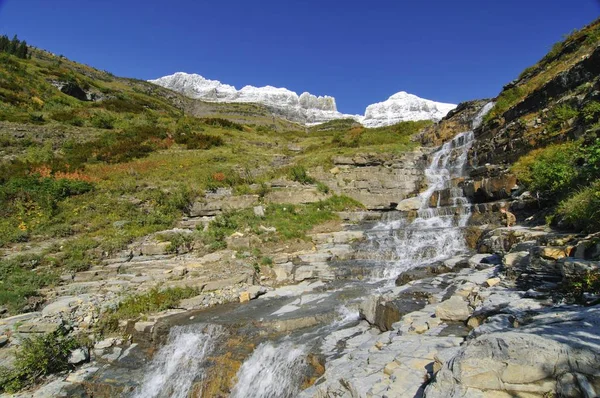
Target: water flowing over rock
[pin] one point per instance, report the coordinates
(178, 364)
(272, 371)
(436, 234)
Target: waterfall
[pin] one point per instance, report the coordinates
(178, 364)
(273, 371)
(437, 231)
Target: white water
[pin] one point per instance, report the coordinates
(277, 370)
(273, 371)
(436, 234)
(178, 364)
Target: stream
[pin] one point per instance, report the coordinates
(276, 364)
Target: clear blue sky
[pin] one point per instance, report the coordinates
(358, 51)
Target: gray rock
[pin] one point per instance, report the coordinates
(529, 360)
(106, 343)
(79, 356)
(57, 388)
(256, 291)
(259, 211)
(572, 267)
(36, 326)
(409, 204)
(3, 340)
(453, 309)
(114, 355)
(81, 375)
(155, 248)
(64, 305)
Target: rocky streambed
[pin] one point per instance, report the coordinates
(432, 299)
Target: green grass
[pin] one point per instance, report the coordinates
(559, 115)
(290, 221)
(136, 306)
(21, 277)
(560, 58)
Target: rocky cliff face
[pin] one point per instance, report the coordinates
(305, 108)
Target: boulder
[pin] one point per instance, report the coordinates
(64, 305)
(155, 248)
(573, 267)
(493, 282)
(79, 356)
(453, 309)
(409, 204)
(256, 291)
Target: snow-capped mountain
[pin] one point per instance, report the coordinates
(305, 108)
(402, 107)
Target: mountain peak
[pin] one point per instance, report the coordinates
(305, 108)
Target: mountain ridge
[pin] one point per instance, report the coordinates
(306, 108)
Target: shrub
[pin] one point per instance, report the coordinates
(192, 140)
(38, 357)
(506, 100)
(67, 116)
(177, 241)
(578, 286)
(552, 169)
(582, 210)
(591, 112)
(124, 151)
(299, 174)
(122, 105)
(203, 141)
(103, 120)
(266, 261)
(43, 192)
(219, 122)
(77, 254)
(559, 115)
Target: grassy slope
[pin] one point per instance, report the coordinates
(563, 167)
(560, 58)
(84, 177)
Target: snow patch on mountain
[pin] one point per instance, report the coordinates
(305, 108)
(402, 107)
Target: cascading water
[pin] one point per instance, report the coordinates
(277, 369)
(436, 233)
(272, 371)
(178, 364)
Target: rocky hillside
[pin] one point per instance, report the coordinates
(538, 146)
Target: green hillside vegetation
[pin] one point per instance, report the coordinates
(99, 161)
